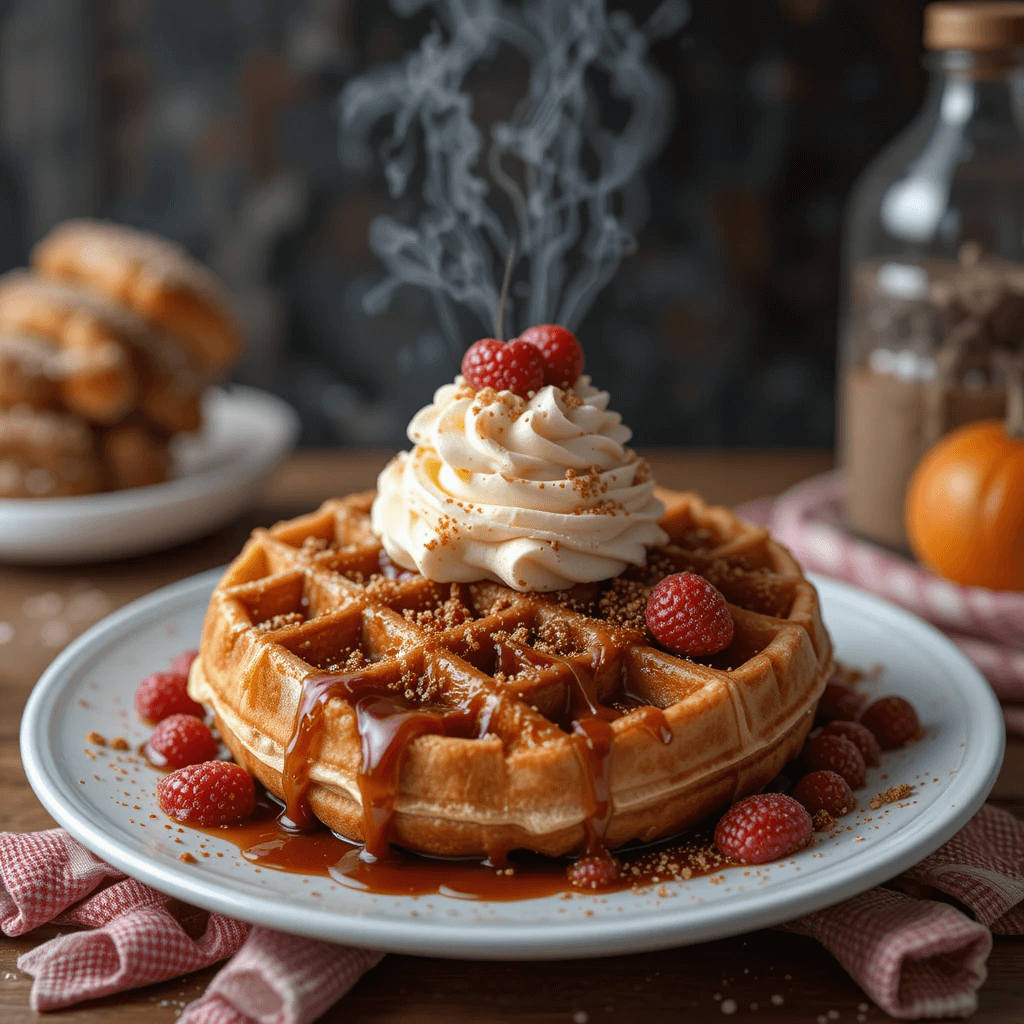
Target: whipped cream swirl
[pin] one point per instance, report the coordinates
(538, 495)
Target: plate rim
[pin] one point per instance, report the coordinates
(539, 939)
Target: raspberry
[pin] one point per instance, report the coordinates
(893, 721)
(688, 615)
(162, 694)
(839, 702)
(593, 872)
(836, 754)
(211, 793)
(180, 740)
(183, 662)
(763, 827)
(824, 791)
(863, 738)
(513, 366)
(563, 356)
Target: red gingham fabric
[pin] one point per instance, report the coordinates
(915, 958)
(48, 876)
(280, 979)
(983, 867)
(30, 897)
(131, 950)
(985, 624)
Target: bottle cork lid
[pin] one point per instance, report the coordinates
(973, 26)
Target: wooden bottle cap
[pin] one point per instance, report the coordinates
(973, 26)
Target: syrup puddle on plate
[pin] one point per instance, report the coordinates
(262, 841)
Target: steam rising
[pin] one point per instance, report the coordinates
(573, 197)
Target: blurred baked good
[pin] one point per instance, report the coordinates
(133, 456)
(29, 372)
(150, 275)
(120, 360)
(106, 348)
(46, 455)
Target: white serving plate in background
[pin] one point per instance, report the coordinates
(218, 472)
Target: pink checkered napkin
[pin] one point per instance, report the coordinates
(132, 950)
(135, 938)
(982, 866)
(915, 958)
(139, 936)
(31, 895)
(280, 979)
(918, 958)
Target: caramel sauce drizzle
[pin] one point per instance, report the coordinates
(591, 725)
(387, 723)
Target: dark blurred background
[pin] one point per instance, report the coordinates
(216, 124)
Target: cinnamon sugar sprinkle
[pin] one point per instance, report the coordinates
(513, 404)
(892, 795)
(678, 864)
(823, 821)
(450, 613)
(280, 621)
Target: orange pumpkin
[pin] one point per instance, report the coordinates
(965, 506)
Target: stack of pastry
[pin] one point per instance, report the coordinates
(106, 345)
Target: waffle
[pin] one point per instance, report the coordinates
(471, 720)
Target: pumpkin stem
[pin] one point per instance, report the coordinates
(1012, 365)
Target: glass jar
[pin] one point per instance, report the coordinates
(934, 274)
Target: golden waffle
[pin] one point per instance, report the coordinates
(470, 720)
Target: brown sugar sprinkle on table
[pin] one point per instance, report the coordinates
(187, 858)
(892, 794)
(97, 738)
(120, 743)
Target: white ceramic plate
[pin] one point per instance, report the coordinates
(108, 801)
(218, 471)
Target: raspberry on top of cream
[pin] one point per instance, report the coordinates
(539, 493)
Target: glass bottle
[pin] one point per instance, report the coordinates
(934, 275)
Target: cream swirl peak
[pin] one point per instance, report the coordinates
(538, 493)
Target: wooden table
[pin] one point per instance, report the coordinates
(40, 610)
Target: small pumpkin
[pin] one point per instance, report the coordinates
(965, 502)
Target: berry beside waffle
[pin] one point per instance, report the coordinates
(471, 720)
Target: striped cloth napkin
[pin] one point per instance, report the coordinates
(987, 625)
(914, 955)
